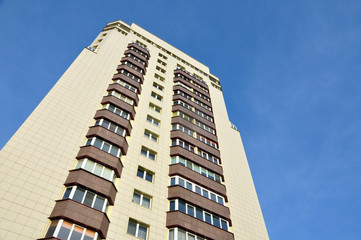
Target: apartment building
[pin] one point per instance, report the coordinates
(132, 142)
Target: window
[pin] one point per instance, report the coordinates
(161, 62)
(205, 127)
(202, 105)
(96, 169)
(86, 197)
(131, 65)
(182, 115)
(126, 85)
(195, 167)
(183, 104)
(201, 214)
(206, 141)
(146, 152)
(183, 144)
(116, 110)
(137, 51)
(157, 86)
(159, 77)
(141, 199)
(136, 59)
(203, 115)
(155, 107)
(137, 229)
(62, 229)
(208, 156)
(152, 136)
(103, 145)
(162, 56)
(145, 174)
(183, 129)
(160, 69)
(130, 75)
(156, 96)
(177, 180)
(153, 120)
(110, 126)
(121, 97)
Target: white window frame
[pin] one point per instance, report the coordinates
(99, 122)
(122, 97)
(158, 86)
(148, 153)
(123, 113)
(151, 135)
(71, 195)
(145, 171)
(142, 196)
(84, 161)
(60, 223)
(92, 141)
(155, 107)
(153, 120)
(156, 96)
(137, 228)
(126, 85)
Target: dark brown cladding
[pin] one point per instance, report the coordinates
(109, 136)
(93, 182)
(101, 157)
(177, 169)
(193, 104)
(180, 88)
(121, 104)
(194, 127)
(128, 80)
(191, 77)
(82, 215)
(104, 113)
(191, 197)
(185, 82)
(119, 88)
(192, 224)
(193, 115)
(177, 150)
(131, 70)
(130, 51)
(143, 50)
(135, 62)
(195, 142)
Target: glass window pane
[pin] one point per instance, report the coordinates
(190, 210)
(98, 143)
(136, 198)
(152, 156)
(171, 234)
(189, 186)
(204, 172)
(146, 202)
(112, 127)
(172, 181)
(132, 226)
(98, 169)
(89, 165)
(220, 200)
(172, 205)
(205, 193)
(77, 233)
(67, 193)
(182, 206)
(207, 217)
(88, 200)
(79, 193)
(105, 123)
(189, 164)
(224, 225)
(140, 173)
(199, 213)
(149, 177)
(213, 197)
(181, 182)
(181, 234)
(99, 203)
(216, 221)
(79, 163)
(107, 173)
(191, 237)
(182, 161)
(89, 235)
(64, 230)
(51, 229)
(106, 147)
(114, 151)
(198, 190)
(196, 168)
(173, 160)
(142, 232)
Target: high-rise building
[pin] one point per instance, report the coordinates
(133, 141)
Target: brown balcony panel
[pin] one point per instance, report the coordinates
(131, 70)
(194, 127)
(178, 169)
(177, 150)
(129, 51)
(192, 224)
(101, 157)
(119, 88)
(196, 199)
(143, 50)
(128, 80)
(191, 77)
(49, 238)
(121, 104)
(178, 87)
(104, 113)
(193, 104)
(81, 214)
(93, 182)
(193, 115)
(109, 136)
(195, 142)
(185, 82)
(135, 62)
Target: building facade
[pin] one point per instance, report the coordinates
(132, 142)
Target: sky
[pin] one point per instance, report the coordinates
(291, 78)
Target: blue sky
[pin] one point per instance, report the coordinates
(290, 72)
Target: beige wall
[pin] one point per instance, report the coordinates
(35, 162)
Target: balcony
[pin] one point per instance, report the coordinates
(119, 88)
(128, 80)
(121, 104)
(189, 75)
(192, 114)
(130, 70)
(134, 62)
(104, 113)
